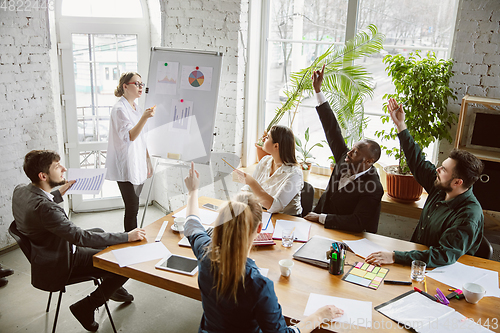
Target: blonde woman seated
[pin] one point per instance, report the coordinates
(235, 296)
(277, 180)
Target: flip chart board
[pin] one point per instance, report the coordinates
(184, 86)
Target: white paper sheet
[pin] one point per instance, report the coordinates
(357, 313)
(267, 224)
(206, 216)
(88, 181)
(364, 247)
(457, 274)
(301, 231)
(137, 254)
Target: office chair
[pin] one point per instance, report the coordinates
(307, 198)
(485, 249)
(25, 245)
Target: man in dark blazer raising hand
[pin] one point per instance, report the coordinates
(351, 201)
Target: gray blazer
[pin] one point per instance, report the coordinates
(52, 234)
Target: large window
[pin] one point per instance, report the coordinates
(298, 32)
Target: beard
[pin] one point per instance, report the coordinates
(54, 184)
(443, 186)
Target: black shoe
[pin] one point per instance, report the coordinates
(3, 282)
(84, 312)
(5, 272)
(121, 295)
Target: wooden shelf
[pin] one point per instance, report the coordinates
(486, 155)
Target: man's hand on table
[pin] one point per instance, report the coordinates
(380, 258)
(137, 234)
(313, 217)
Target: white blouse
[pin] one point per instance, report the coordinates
(126, 159)
(284, 186)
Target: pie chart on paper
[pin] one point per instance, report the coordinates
(196, 78)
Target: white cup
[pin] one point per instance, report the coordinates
(473, 292)
(179, 223)
(286, 267)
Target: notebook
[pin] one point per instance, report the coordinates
(314, 251)
(414, 310)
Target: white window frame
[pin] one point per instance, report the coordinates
(260, 92)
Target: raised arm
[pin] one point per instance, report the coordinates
(330, 125)
(423, 171)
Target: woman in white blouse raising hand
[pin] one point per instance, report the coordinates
(127, 159)
(277, 180)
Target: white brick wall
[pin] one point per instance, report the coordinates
(27, 118)
(475, 53)
(212, 26)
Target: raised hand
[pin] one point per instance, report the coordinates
(397, 114)
(317, 79)
(192, 180)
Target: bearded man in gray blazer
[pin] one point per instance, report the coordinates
(52, 235)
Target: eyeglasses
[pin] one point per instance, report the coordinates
(138, 84)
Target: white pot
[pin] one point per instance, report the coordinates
(306, 173)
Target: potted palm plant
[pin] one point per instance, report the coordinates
(345, 85)
(421, 85)
(305, 157)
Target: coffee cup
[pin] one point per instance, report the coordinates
(286, 267)
(473, 292)
(179, 223)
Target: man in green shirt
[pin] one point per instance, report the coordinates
(451, 223)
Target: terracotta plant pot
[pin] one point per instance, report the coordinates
(260, 152)
(403, 188)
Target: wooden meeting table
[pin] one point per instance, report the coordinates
(293, 292)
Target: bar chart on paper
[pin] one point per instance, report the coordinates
(88, 181)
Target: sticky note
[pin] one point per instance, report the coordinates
(375, 270)
(383, 270)
(377, 278)
(381, 275)
(357, 280)
(369, 276)
(365, 266)
(370, 268)
(359, 264)
(358, 272)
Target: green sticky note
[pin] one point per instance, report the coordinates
(381, 275)
(364, 267)
(375, 270)
(369, 276)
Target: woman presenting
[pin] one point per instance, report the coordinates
(277, 179)
(128, 160)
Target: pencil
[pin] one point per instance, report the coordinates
(425, 283)
(228, 164)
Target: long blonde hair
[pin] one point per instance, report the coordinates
(237, 221)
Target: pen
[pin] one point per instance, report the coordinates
(425, 284)
(425, 294)
(403, 283)
(228, 164)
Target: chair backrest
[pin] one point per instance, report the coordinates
(307, 198)
(485, 249)
(22, 240)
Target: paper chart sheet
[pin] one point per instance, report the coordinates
(196, 78)
(88, 181)
(166, 74)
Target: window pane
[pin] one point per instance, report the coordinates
(102, 8)
(97, 70)
(407, 25)
(292, 21)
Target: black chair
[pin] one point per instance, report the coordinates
(307, 198)
(485, 249)
(25, 245)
